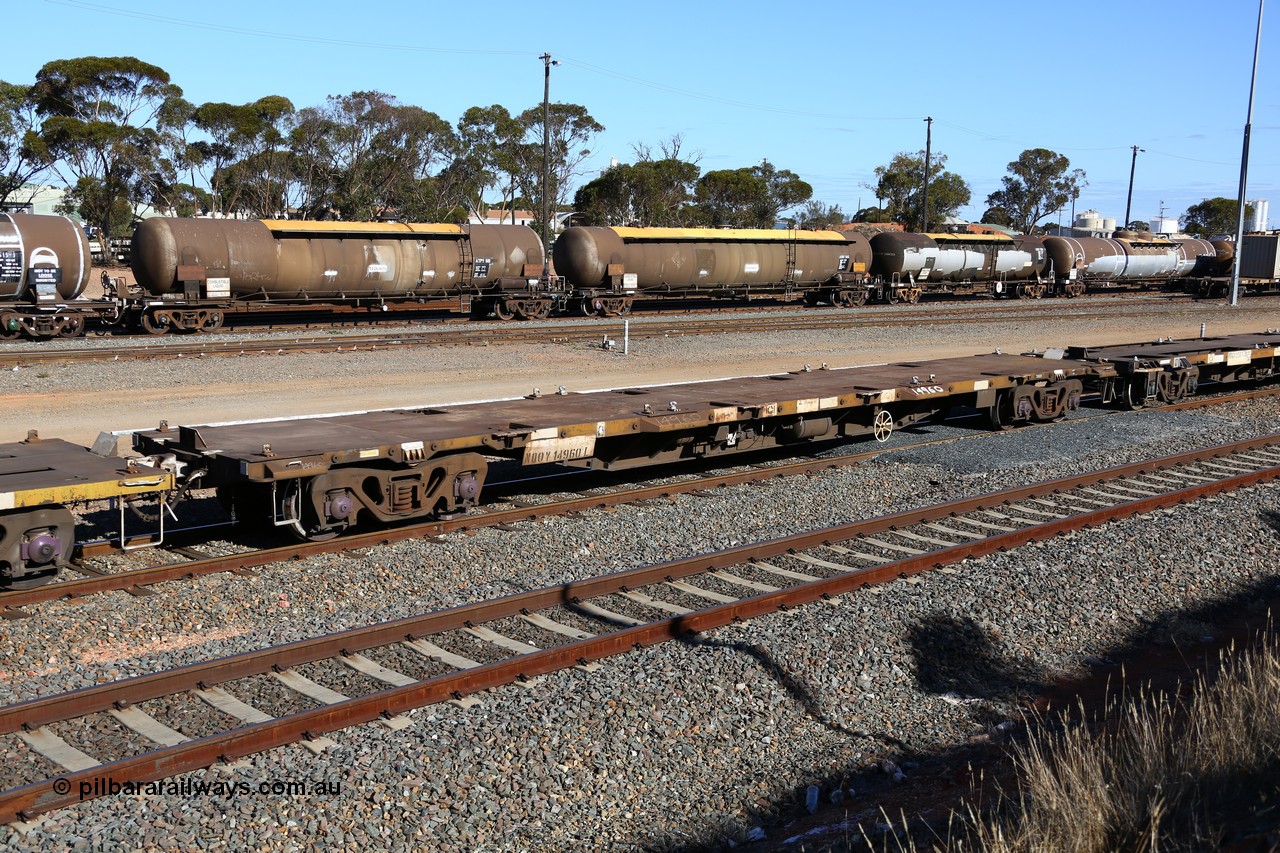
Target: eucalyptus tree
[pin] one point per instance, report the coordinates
(246, 153)
(19, 165)
(104, 131)
(656, 193)
(1214, 216)
(750, 197)
(569, 131)
(1038, 185)
(490, 142)
(900, 185)
(366, 156)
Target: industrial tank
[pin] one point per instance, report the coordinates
(1130, 257)
(687, 260)
(956, 257)
(42, 258)
(286, 259)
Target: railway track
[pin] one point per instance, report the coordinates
(529, 634)
(461, 333)
(197, 564)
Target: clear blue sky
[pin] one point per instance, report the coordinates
(829, 91)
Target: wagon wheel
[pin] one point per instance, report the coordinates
(624, 308)
(882, 426)
(858, 298)
(1000, 413)
(73, 328)
(293, 506)
(213, 321)
(151, 324)
(894, 295)
(1134, 395)
(504, 310)
(913, 296)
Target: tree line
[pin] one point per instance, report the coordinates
(116, 131)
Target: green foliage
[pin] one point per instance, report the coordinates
(996, 216)
(569, 130)
(732, 198)
(489, 139)
(20, 163)
(107, 122)
(750, 197)
(91, 194)
(900, 184)
(245, 152)
(1038, 185)
(118, 132)
(1214, 216)
(656, 193)
(815, 215)
(873, 214)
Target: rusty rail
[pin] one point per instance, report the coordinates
(50, 794)
(81, 587)
(463, 333)
(12, 601)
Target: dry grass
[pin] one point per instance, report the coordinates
(1156, 772)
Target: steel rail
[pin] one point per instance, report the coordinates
(81, 587)
(32, 799)
(12, 601)
(471, 335)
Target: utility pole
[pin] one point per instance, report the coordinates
(1244, 168)
(547, 62)
(928, 143)
(1132, 166)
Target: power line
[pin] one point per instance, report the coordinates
(586, 66)
(224, 28)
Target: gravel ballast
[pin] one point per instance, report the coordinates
(691, 743)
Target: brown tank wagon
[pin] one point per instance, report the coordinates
(191, 266)
(610, 267)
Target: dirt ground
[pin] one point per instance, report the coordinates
(76, 402)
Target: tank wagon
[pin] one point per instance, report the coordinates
(912, 264)
(192, 269)
(317, 476)
(1130, 257)
(1259, 266)
(44, 266)
(608, 268)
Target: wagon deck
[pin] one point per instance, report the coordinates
(42, 471)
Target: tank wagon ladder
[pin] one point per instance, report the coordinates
(466, 267)
(789, 277)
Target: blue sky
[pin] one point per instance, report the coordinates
(829, 91)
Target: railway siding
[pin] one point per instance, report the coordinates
(865, 552)
(643, 751)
